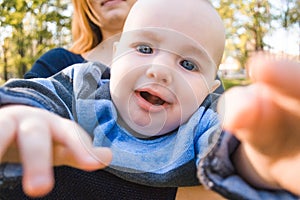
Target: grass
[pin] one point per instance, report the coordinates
(228, 83)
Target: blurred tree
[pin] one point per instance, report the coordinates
(248, 22)
(36, 26)
(5, 67)
(289, 16)
(32, 27)
(290, 13)
(14, 12)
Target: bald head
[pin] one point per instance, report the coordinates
(196, 19)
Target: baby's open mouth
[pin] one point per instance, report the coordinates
(155, 100)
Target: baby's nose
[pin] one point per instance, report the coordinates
(161, 74)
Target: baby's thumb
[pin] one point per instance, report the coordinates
(238, 109)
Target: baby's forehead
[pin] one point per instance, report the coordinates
(195, 18)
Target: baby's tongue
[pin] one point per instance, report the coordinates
(155, 100)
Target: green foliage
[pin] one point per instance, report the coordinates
(32, 27)
(228, 83)
(247, 23)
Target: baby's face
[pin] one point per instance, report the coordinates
(160, 75)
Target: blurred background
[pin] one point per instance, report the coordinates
(29, 28)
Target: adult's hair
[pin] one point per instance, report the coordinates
(85, 28)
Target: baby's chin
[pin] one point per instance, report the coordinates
(147, 132)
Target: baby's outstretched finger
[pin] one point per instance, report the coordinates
(35, 146)
(76, 149)
(250, 114)
(237, 108)
(279, 72)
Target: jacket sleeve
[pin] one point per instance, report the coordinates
(53, 94)
(58, 93)
(217, 172)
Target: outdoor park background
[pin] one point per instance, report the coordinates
(29, 28)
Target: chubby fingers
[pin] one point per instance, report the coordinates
(73, 147)
(238, 108)
(62, 143)
(250, 113)
(281, 76)
(43, 140)
(276, 71)
(51, 140)
(35, 146)
(31, 138)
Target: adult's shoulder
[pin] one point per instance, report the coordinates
(52, 62)
(64, 56)
(59, 52)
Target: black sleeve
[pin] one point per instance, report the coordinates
(52, 62)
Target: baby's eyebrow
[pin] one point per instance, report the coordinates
(199, 51)
(149, 34)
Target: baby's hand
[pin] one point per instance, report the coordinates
(39, 140)
(265, 117)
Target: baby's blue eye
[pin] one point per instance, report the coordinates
(188, 65)
(145, 49)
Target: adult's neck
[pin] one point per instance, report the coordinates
(106, 34)
(103, 52)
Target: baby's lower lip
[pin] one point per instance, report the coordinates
(111, 2)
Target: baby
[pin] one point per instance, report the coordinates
(156, 113)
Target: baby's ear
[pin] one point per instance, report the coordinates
(215, 85)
